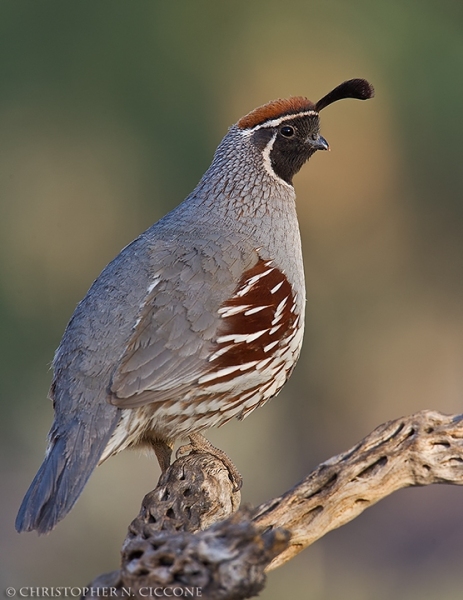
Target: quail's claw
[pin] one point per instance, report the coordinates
(198, 443)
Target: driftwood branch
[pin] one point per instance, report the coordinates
(185, 538)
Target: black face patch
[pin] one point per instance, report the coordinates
(261, 137)
(294, 144)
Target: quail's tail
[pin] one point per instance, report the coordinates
(67, 466)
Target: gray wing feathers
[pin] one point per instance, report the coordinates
(178, 320)
(140, 335)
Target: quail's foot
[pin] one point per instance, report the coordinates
(198, 443)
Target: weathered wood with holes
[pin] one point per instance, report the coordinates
(421, 449)
(230, 558)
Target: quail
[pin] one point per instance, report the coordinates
(198, 320)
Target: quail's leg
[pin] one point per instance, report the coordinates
(200, 444)
(163, 452)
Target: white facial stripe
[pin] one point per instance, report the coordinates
(276, 122)
(268, 163)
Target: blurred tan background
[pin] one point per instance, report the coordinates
(109, 114)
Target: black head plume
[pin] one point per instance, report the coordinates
(353, 88)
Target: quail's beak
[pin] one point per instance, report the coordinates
(320, 144)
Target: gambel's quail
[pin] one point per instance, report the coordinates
(198, 320)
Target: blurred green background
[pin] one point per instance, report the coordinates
(110, 111)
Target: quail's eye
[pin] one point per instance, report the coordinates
(287, 131)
